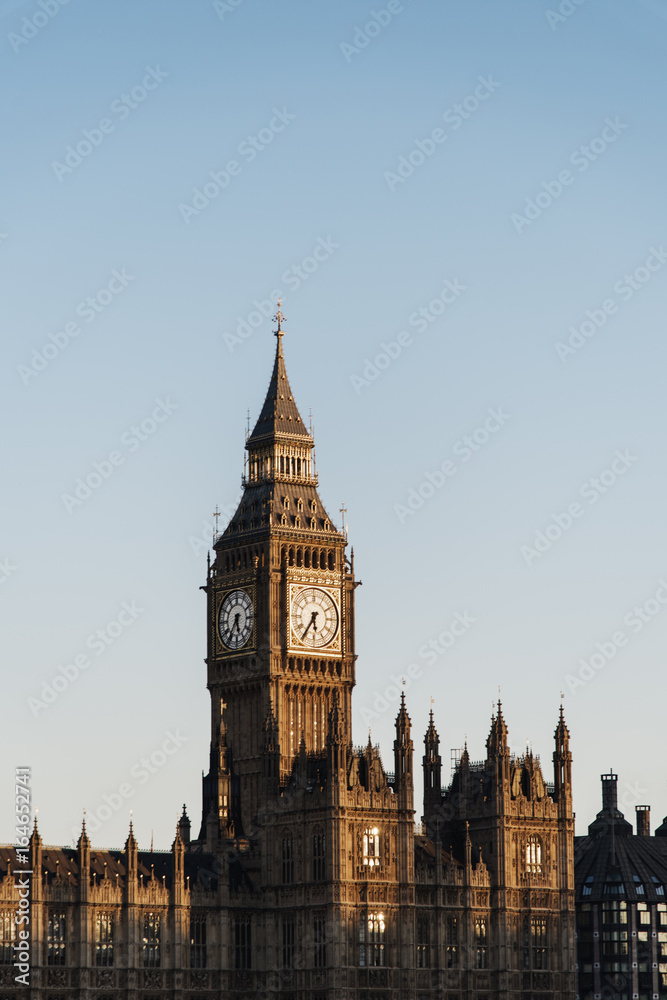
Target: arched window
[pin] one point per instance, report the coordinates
(534, 855)
(372, 847)
(372, 939)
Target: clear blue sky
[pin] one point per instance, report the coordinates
(408, 154)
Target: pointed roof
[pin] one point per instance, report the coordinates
(562, 733)
(279, 416)
(130, 843)
(497, 740)
(431, 738)
(84, 842)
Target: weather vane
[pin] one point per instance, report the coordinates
(280, 319)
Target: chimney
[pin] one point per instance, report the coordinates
(643, 821)
(609, 791)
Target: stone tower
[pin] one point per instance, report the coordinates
(280, 618)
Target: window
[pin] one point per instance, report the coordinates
(288, 859)
(452, 943)
(319, 857)
(104, 939)
(56, 939)
(643, 914)
(658, 886)
(313, 506)
(371, 939)
(288, 943)
(538, 941)
(423, 957)
(151, 941)
(198, 942)
(614, 884)
(534, 855)
(588, 886)
(662, 918)
(320, 943)
(299, 504)
(480, 943)
(615, 912)
(372, 847)
(242, 943)
(639, 887)
(7, 937)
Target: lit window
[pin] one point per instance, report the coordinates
(7, 937)
(371, 939)
(151, 941)
(56, 939)
(539, 947)
(534, 855)
(372, 847)
(198, 942)
(452, 943)
(480, 943)
(423, 957)
(104, 939)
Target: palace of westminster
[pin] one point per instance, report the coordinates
(308, 878)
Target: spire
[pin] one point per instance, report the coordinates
(431, 740)
(403, 748)
(562, 734)
(130, 843)
(279, 416)
(84, 842)
(496, 743)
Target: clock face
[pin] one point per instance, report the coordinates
(314, 617)
(235, 619)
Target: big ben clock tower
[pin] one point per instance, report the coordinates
(280, 620)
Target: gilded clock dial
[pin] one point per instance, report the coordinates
(314, 617)
(235, 619)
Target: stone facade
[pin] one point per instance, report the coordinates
(308, 879)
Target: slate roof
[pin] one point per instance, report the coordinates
(612, 862)
(60, 864)
(279, 417)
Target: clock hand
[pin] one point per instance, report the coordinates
(237, 627)
(313, 621)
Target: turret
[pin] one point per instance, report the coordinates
(403, 748)
(131, 866)
(83, 851)
(432, 764)
(562, 762)
(184, 828)
(496, 744)
(178, 867)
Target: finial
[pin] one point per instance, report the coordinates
(279, 319)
